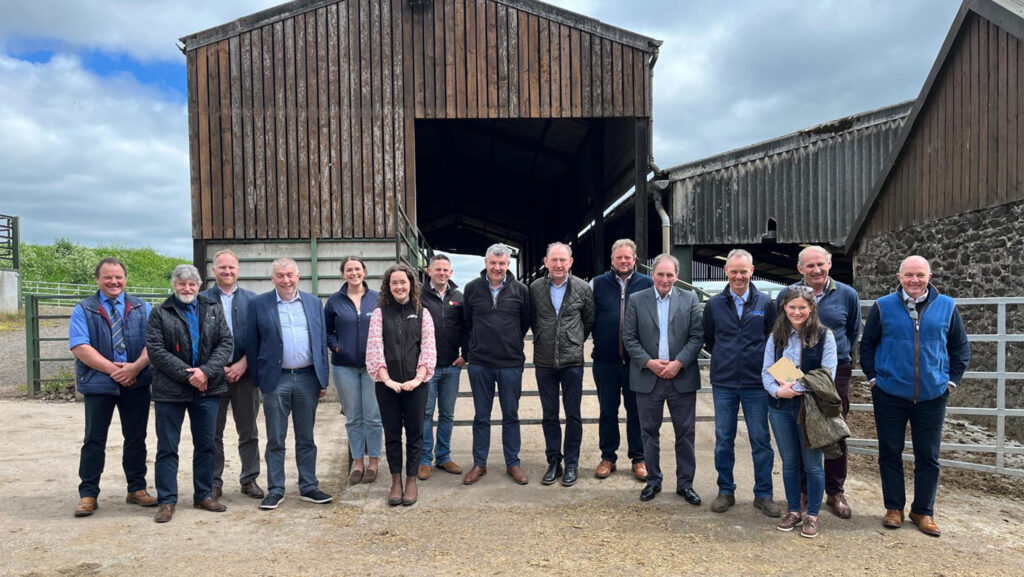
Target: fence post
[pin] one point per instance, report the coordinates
(32, 343)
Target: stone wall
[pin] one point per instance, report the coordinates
(975, 254)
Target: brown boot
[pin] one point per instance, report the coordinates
(395, 496)
(411, 491)
(518, 475)
(423, 473)
(893, 519)
(164, 513)
(140, 498)
(86, 506)
(840, 507)
(604, 469)
(640, 471)
(474, 475)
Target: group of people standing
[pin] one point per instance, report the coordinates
(397, 354)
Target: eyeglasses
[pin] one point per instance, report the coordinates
(802, 289)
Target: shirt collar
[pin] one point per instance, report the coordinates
(119, 299)
(281, 300)
(233, 290)
(668, 295)
(743, 297)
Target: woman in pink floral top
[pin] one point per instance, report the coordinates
(400, 357)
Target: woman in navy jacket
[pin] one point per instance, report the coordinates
(347, 316)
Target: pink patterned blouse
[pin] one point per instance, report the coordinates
(375, 346)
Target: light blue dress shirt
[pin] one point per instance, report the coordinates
(297, 352)
(663, 307)
(558, 295)
(495, 291)
(829, 359)
(739, 301)
(226, 300)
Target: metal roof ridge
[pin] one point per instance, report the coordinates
(294, 7)
(792, 141)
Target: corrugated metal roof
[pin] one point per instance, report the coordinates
(811, 184)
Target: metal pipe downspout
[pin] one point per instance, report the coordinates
(666, 222)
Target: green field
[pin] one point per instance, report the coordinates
(68, 262)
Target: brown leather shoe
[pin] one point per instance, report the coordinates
(164, 513)
(518, 475)
(423, 473)
(640, 471)
(86, 506)
(926, 524)
(474, 475)
(251, 489)
(218, 492)
(893, 519)
(840, 508)
(604, 469)
(140, 498)
(210, 505)
(452, 467)
(370, 475)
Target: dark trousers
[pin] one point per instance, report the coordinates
(202, 417)
(612, 380)
(892, 414)
(835, 469)
(398, 411)
(133, 410)
(682, 409)
(244, 399)
(509, 382)
(570, 380)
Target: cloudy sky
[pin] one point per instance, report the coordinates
(93, 133)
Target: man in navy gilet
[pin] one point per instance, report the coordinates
(611, 361)
(736, 326)
(107, 336)
(914, 351)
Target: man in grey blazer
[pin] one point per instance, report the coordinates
(663, 335)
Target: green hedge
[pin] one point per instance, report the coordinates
(65, 261)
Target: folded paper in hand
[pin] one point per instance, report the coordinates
(785, 371)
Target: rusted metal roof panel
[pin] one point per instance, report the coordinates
(805, 187)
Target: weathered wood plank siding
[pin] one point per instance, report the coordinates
(301, 124)
(964, 152)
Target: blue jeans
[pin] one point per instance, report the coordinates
(202, 417)
(926, 418)
(755, 415)
(570, 380)
(612, 381)
(133, 410)
(297, 395)
(789, 436)
(510, 387)
(444, 389)
(357, 392)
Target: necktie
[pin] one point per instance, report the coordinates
(116, 327)
(193, 329)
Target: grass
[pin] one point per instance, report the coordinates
(68, 262)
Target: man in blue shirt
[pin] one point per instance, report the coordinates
(287, 344)
(107, 336)
(736, 325)
(839, 310)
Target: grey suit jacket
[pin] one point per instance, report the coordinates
(640, 336)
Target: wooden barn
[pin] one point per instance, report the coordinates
(952, 189)
(320, 128)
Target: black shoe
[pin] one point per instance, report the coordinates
(690, 495)
(571, 474)
(316, 496)
(553, 473)
(271, 501)
(649, 492)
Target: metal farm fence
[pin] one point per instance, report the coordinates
(998, 447)
(62, 294)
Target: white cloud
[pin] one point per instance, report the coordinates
(97, 160)
(144, 29)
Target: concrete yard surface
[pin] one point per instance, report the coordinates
(492, 528)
